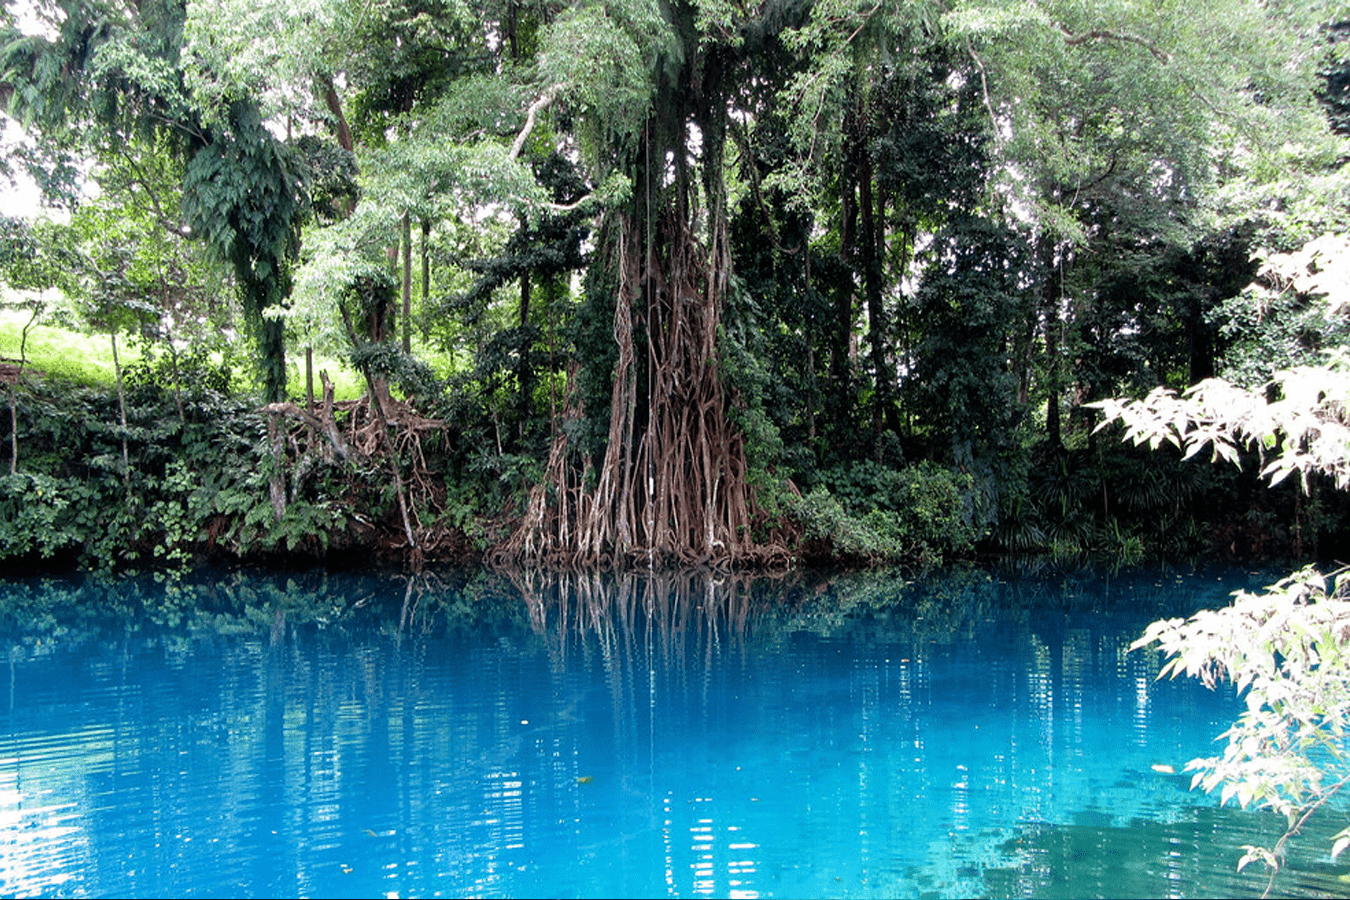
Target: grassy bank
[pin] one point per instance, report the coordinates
(56, 352)
(86, 359)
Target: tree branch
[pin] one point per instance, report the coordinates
(984, 88)
(568, 207)
(334, 103)
(544, 101)
(743, 140)
(1278, 849)
(1105, 34)
(138, 176)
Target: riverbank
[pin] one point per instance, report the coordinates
(181, 471)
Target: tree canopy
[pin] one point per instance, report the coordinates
(680, 264)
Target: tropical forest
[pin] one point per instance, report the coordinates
(552, 315)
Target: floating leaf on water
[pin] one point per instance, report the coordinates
(585, 779)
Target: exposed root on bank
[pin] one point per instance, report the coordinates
(672, 486)
(374, 432)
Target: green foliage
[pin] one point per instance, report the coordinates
(37, 256)
(333, 174)
(604, 59)
(1285, 650)
(922, 223)
(36, 516)
(1292, 314)
(388, 361)
(824, 520)
(196, 374)
(1287, 653)
(1298, 426)
(245, 194)
(198, 485)
(918, 515)
(506, 478)
(974, 293)
(465, 510)
(433, 179)
(269, 51)
(111, 83)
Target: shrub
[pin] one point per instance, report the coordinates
(917, 515)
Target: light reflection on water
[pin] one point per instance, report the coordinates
(680, 735)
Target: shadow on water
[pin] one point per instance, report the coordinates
(1190, 856)
(676, 733)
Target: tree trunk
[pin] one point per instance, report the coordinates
(870, 245)
(273, 358)
(840, 357)
(1053, 431)
(122, 409)
(276, 486)
(512, 22)
(1023, 352)
(811, 396)
(12, 390)
(309, 377)
(525, 366)
(671, 486)
(407, 282)
(1199, 343)
(426, 266)
(334, 103)
(1051, 302)
(670, 489)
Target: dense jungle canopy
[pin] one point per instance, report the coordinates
(654, 281)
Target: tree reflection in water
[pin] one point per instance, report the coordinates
(683, 733)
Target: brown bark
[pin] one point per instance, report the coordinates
(334, 103)
(309, 377)
(525, 366)
(276, 486)
(407, 282)
(869, 259)
(672, 488)
(1053, 430)
(321, 421)
(426, 266)
(843, 324)
(672, 485)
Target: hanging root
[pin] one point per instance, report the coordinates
(389, 434)
(672, 486)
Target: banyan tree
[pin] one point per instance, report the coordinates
(657, 85)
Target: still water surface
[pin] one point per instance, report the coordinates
(680, 735)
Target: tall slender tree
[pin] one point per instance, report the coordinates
(106, 81)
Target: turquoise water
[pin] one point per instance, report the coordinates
(691, 735)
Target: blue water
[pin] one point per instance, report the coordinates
(692, 735)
